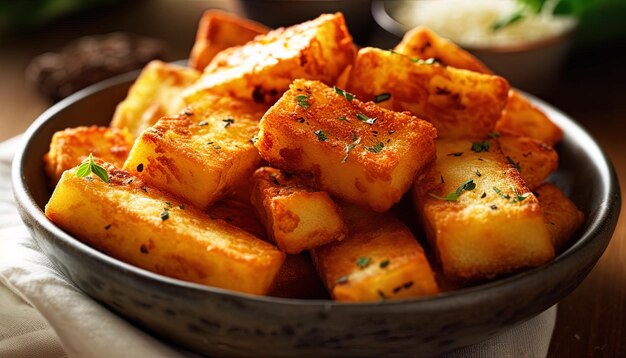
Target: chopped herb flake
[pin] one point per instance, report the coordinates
(514, 164)
(376, 148)
(428, 61)
(91, 167)
(484, 195)
(350, 146)
(499, 192)
(228, 122)
(494, 135)
(165, 215)
(477, 172)
(384, 263)
(494, 207)
(363, 261)
(321, 135)
(347, 95)
(303, 101)
(363, 118)
(382, 97)
(343, 118)
(480, 146)
(455, 154)
(181, 207)
(468, 185)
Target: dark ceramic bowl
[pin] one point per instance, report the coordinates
(220, 322)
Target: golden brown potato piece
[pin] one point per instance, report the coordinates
(239, 214)
(71, 146)
(561, 215)
(423, 43)
(263, 69)
(459, 103)
(142, 226)
(218, 31)
(297, 278)
(200, 154)
(355, 151)
(478, 214)
(155, 93)
(296, 216)
(520, 117)
(380, 259)
(534, 160)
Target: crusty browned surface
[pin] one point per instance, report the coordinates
(520, 117)
(71, 146)
(480, 235)
(296, 216)
(459, 103)
(200, 154)
(218, 31)
(423, 43)
(288, 140)
(535, 160)
(155, 93)
(396, 265)
(261, 70)
(562, 217)
(124, 219)
(239, 214)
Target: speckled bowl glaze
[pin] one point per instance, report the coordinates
(219, 322)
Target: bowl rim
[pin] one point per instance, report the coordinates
(607, 214)
(393, 26)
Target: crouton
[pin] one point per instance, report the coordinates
(200, 154)
(297, 217)
(459, 103)
(561, 215)
(356, 151)
(478, 215)
(139, 224)
(71, 146)
(380, 259)
(263, 69)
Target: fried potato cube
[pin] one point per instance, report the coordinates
(423, 43)
(138, 224)
(202, 152)
(239, 214)
(218, 31)
(478, 214)
(533, 159)
(296, 216)
(380, 259)
(459, 103)
(263, 69)
(71, 146)
(155, 93)
(298, 278)
(356, 151)
(520, 117)
(561, 215)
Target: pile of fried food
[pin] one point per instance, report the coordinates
(277, 163)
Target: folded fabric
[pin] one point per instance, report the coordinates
(84, 328)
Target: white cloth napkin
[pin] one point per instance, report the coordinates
(42, 314)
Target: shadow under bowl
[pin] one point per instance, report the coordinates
(220, 322)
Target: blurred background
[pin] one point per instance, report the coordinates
(571, 53)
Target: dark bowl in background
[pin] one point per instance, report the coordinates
(220, 322)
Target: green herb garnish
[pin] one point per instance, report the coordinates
(382, 97)
(428, 61)
(321, 135)
(347, 95)
(376, 148)
(303, 101)
(363, 118)
(91, 167)
(384, 263)
(363, 261)
(480, 146)
(343, 118)
(349, 147)
(228, 122)
(165, 215)
(514, 164)
(494, 135)
(453, 196)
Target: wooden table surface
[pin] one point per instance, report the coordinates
(592, 89)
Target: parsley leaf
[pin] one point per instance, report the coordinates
(349, 147)
(320, 135)
(228, 122)
(343, 118)
(499, 192)
(165, 215)
(428, 61)
(384, 263)
(514, 164)
(363, 261)
(453, 196)
(303, 101)
(376, 148)
(494, 135)
(363, 118)
(91, 167)
(382, 97)
(347, 95)
(480, 146)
